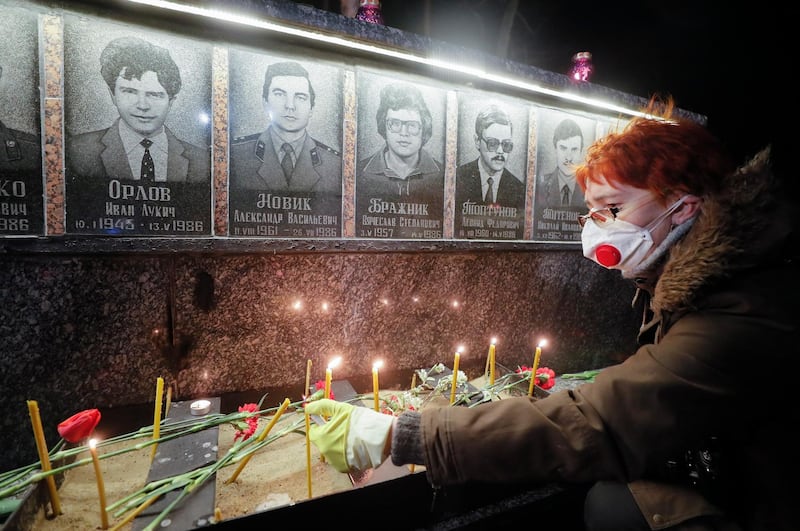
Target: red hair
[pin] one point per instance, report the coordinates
(663, 154)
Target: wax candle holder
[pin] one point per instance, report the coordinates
(200, 407)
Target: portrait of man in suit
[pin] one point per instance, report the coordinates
(130, 166)
(486, 180)
(489, 195)
(558, 187)
(143, 82)
(557, 198)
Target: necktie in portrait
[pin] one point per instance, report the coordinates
(286, 162)
(565, 195)
(489, 198)
(148, 172)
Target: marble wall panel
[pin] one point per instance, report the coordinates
(96, 331)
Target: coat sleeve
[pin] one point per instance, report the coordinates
(518, 439)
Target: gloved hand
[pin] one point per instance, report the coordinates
(353, 438)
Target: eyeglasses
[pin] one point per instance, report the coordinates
(602, 217)
(492, 144)
(605, 216)
(394, 125)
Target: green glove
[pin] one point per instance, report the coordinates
(353, 438)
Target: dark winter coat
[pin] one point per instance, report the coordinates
(716, 370)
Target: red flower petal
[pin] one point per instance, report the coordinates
(79, 426)
(545, 377)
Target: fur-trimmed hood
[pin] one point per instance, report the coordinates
(747, 224)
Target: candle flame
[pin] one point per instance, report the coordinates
(494, 341)
(460, 349)
(324, 306)
(92, 443)
(542, 343)
(377, 365)
(297, 305)
(334, 362)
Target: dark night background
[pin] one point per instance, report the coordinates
(731, 63)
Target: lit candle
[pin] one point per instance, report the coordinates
(308, 454)
(536, 357)
(44, 458)
(307, 390)
(101, 490)
(157, 414)
(375, 387)
(491, 361)
(261, 437)
(455, 374)
(329, 375)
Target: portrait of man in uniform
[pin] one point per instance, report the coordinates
(284, 157)
(285, 170)
(21, 178)
(137, 148)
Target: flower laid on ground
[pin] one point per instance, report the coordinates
(545, 377)
(320, 385)
(79, 426)
(247, 427)
(396, 404)
(16, 481)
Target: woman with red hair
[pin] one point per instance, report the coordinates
(676, 436)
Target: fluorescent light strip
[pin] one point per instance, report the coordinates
(386, 52)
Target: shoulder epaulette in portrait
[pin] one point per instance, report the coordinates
(247, 138)
(327, 148)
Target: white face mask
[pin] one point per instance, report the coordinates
(619, 244)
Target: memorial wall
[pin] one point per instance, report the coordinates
(218, 201)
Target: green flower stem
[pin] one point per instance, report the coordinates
(18, 479)
(585, 375)
(194, 479)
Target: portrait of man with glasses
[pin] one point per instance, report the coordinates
(400, 186)
(490, 198)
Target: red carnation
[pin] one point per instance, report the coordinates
(246, 429)
(321, 385)
(545, 377)
(79, 426)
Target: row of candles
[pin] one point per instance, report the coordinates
(42, 448)
(491, 365)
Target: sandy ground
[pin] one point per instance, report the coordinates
(273, 477)
(264, 483)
